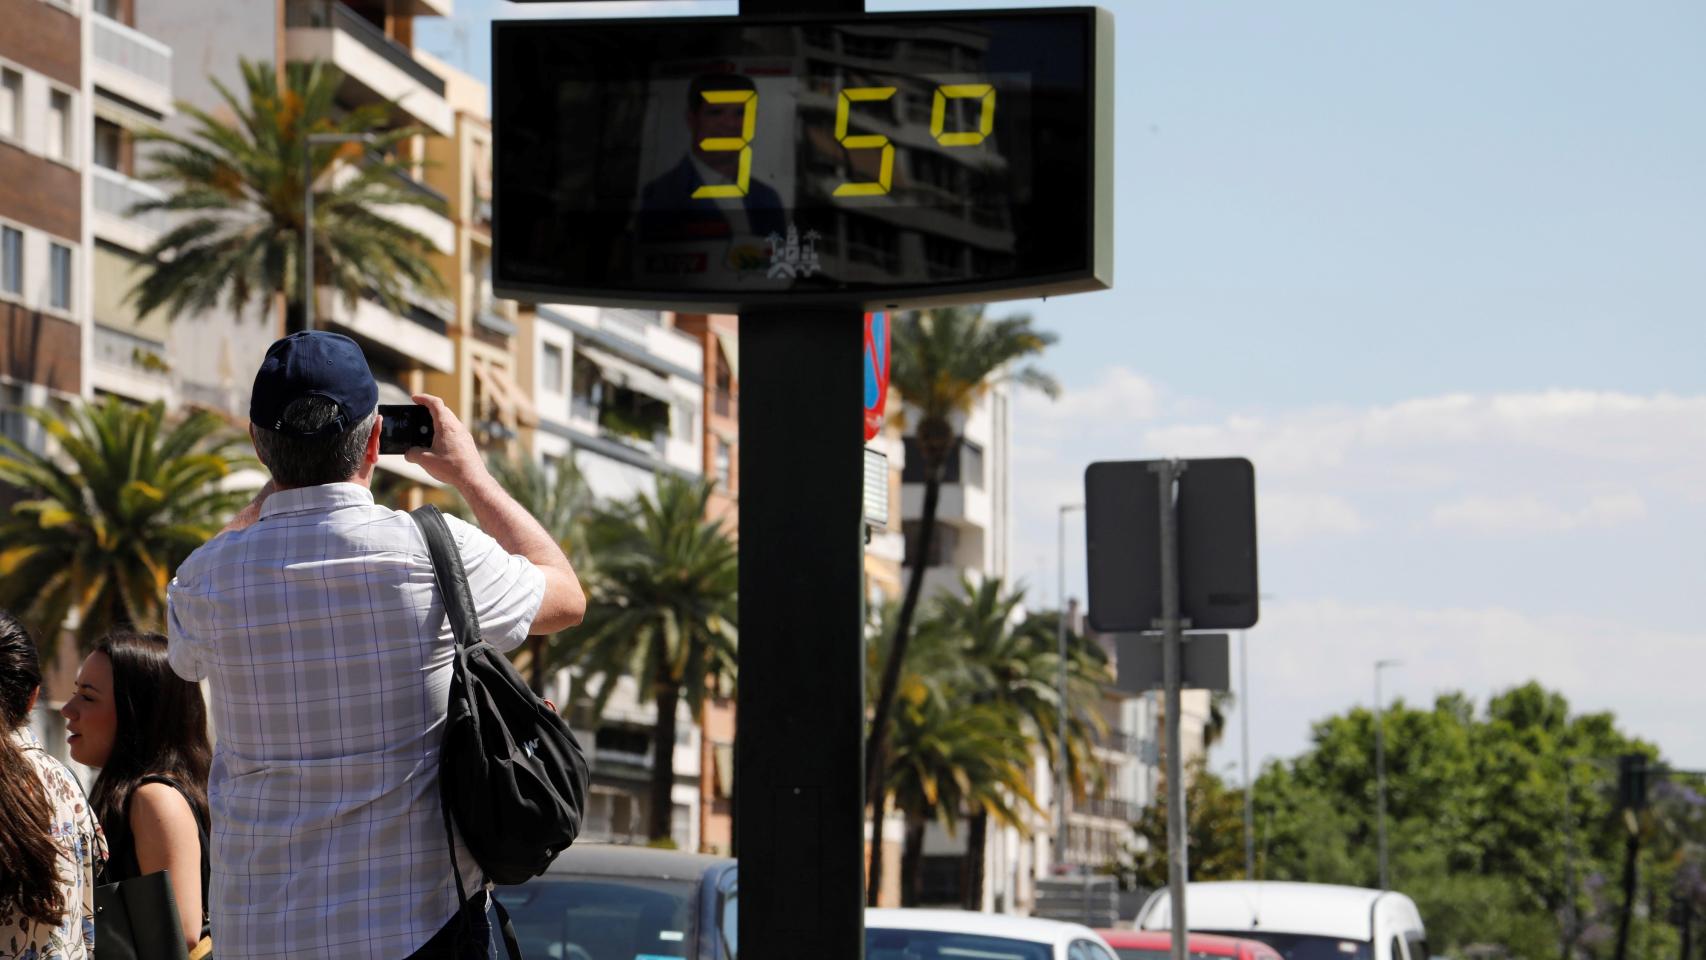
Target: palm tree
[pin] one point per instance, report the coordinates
(562, 503)
(950, 759)
(101, 531)
(238, 188)
(663, 612)
(942, 362)
(1021, 657)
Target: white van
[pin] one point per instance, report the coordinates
(1303, 921)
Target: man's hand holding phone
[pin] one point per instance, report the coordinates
(451, 456)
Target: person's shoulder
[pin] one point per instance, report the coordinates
(160, 803)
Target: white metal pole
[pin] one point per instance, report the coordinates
(1380, 771)
(1060, 786)
(1249, 785)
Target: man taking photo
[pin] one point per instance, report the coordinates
(316, 619)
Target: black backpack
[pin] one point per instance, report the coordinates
(511, 774)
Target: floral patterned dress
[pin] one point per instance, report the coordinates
(82, 851)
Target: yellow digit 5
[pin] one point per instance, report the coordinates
(743, 143)
(864, 141)
(963, 91)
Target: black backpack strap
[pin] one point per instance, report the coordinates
(465, 626)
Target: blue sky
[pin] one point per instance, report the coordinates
(1439, 269)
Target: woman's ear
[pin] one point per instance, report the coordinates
(34, 696)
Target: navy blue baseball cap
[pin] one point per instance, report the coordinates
(313, 363)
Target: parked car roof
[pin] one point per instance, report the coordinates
(966, 921)
(1307, 908)
(1196, 943)
(616, 860)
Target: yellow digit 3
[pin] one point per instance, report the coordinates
(864, 141)
(963, 91)
(743, 143)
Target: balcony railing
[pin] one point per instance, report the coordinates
(120, 349)
(132, 51)
(1121, 810)
(115, 194)
(330, 15)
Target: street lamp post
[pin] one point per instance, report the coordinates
(1060, 645)
(315, 140)
(1249, 786)
(1380, 770)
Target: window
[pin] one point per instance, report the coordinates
(109, 141)
(11, 261)
(944, 543)
(971, 464)
(724, 464)
(11, 103)
(553, 368)
(913, 472)
(59, 263)
(107, 8)
(59, 125)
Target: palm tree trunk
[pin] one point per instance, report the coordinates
(295, 316)
(663, 759)
(874, 878)
(912, 863)
(971, 875)
(875, 744)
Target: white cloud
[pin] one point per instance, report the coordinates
(1531, 515)
(1120, 398)
(1287, 517)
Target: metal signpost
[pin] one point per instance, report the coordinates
(1172, 545)
(709, 164)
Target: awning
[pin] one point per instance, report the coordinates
(625, 373)
(514, 409)
(731, 350)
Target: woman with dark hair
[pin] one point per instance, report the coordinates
(50, 843)
(146, 729)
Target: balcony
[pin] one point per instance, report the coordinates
(130, 366)
(1109, 809)
(420, 340)
(114, 194)
(376, 68)
(130, 64)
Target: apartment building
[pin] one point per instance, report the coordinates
(621, 396)
(44, 301)
(718, 336)
(484, 388)
(131, 93)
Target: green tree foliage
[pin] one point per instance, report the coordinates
(563, 505)
(1477, 824)
(237, 186)
(1214, 833)
(953, 756)
(1017, 662)
(101, 528)
(662, 611)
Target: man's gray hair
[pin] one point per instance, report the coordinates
(310, 461)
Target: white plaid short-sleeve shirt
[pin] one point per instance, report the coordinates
(324, 641)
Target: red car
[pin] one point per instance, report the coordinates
(1157, 945)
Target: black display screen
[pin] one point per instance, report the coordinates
(734, 162)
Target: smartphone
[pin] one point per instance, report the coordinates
(404, 425)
